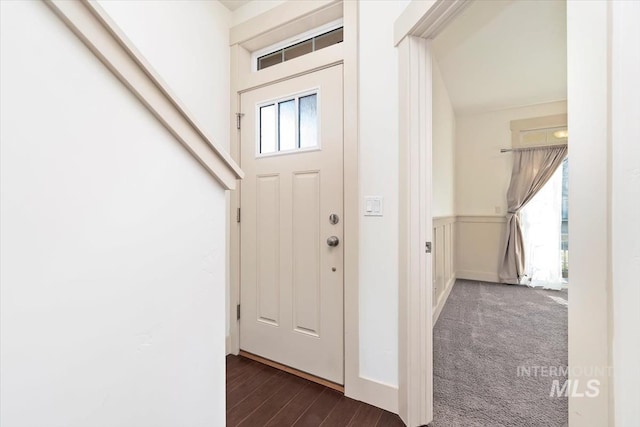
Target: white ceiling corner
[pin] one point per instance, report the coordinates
(233, 4)
(502, 54)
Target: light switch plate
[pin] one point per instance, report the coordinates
(373, 206)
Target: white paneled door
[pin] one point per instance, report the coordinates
(291, 282)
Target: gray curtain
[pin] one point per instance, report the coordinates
(532, 168)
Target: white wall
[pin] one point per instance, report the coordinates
(626, 211)
(201, 26)
(482, 179)
(112, 278)
(482, 172)
(444, 134)
(379, 177)
(187, 43)
(253, 9)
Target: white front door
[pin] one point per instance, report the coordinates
(291, 282)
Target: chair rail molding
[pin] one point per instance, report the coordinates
(93, 26)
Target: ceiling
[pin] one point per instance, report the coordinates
(502, 54)
(233, 4)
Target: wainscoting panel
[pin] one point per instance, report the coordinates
(479, 245)
(444, 265)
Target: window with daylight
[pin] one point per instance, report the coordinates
(545, 229)
(300, 48)
(288, 124)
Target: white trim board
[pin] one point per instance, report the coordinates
(95, 28)
(481, 218)
(426, 18)
(444, 260)
(283, 22)
(419, 22)
(478, 276)
(415, 322)
(443, 299)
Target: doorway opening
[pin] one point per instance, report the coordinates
(499, 140)
(586, 38)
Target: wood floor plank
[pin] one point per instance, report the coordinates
(259, 395)
(234, 364)
(261, 416)
(238, 369)
(342, 413)
(297, 406)
(318, 412)
(236, 394)
(244, 408)
(366, 416)
(387, 419)
(247, 373)
(231, 360)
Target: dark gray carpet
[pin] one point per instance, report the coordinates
(484, 333)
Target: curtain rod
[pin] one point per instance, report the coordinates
(504, 150)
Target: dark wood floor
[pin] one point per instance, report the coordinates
(259, 395)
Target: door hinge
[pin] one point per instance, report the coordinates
(238, 215)
(238, 118)
(427, 247)
(238, 312)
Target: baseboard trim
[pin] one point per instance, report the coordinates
(443, 299)
(227, 345)
(293, 371)
(482, 276)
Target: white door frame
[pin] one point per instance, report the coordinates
(590, 317)
(294, 17)
(414, 29)
(415, 322)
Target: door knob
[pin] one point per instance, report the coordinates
(333, 241)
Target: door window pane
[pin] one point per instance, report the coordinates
(308, 121)
(268, 129)
(287, 124)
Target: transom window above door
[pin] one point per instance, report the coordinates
(302, 48)
(310, 41)
(288, 124)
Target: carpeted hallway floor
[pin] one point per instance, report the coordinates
(484, 334)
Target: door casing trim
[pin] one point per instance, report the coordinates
(420, 22)
(242, 79)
